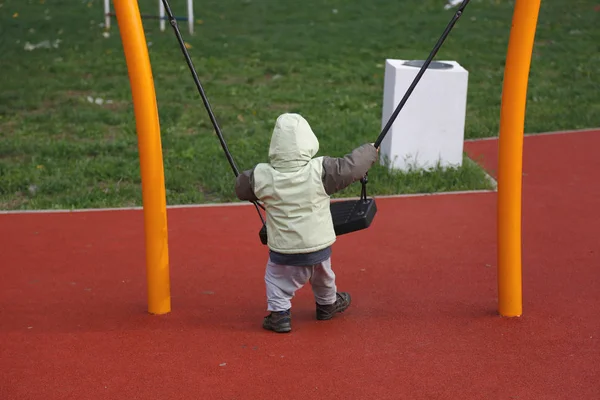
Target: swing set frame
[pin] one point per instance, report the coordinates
(512, 118)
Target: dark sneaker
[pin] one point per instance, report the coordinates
(342, 302)
(280, 321)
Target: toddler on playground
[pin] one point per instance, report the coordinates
(295, 190)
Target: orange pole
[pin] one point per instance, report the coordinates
(510, 159)
(150, 151)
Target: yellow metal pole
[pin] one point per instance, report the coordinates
(510, 159)
(150, 151)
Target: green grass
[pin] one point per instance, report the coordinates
(257, 59)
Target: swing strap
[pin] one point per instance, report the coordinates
(213, 119)
(457, 15)
(412, 86)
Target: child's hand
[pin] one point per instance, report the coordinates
(376, 148)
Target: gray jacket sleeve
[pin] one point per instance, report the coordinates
(244, 186)
(338, 173)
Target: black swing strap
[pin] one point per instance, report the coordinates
(213, 119)
(412, 86)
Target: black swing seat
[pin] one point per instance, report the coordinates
(348, 216)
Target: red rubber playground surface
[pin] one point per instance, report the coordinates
(423, 324)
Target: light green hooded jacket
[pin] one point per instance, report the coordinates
(291, 188)
(295, 187)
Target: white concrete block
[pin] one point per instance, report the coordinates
(430, 127)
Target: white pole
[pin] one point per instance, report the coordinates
(161, 12)
(191, 15)
(106, 16)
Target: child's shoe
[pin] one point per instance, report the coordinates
(328, 311)
(278, 321)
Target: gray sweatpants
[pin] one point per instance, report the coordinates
(283, 281)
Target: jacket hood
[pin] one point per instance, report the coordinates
(293, 143)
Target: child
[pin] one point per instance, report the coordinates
(295, 190)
